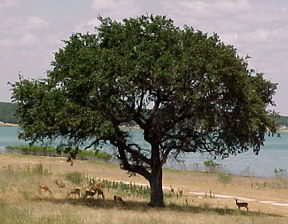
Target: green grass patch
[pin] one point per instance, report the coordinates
(75, 177)
(53, 151)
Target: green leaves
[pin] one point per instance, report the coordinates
(186, 89)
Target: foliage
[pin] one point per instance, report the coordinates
(187, 90)
(279, 172)
(8, 111)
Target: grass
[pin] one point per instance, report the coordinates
(52, 151)
(75, 177)
(224, 178)
(21, 202)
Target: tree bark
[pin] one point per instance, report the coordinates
(156, 197)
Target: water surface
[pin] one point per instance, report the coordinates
(273, 155)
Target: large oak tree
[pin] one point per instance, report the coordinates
(187, 91)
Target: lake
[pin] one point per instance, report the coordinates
(273, 155)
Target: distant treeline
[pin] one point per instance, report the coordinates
(7, 114)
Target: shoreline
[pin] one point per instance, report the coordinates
(6, 124)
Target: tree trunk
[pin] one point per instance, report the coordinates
(156, 198)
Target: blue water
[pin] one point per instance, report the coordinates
(273, 155)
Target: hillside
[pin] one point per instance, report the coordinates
(283, 121)
(7, 112)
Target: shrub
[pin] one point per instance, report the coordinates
(211, 165)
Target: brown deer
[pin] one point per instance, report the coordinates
(89, 193)
(44, 188)
(98, 191)
(241, 204)
(70, 160)
(76, 191)
(118, 198)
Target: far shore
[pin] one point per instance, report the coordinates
(5, 124)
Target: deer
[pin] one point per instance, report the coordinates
(118, 198)
(76, 191)
(60, 184)
(89, 193)
(98, 191)
(92, 191)
(179, 194)
(45, 188)
(241, 204)
(70, 160)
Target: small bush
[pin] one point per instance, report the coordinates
(211, 165)
(279, 172)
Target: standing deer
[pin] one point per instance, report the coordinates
(241, 204)
(90, 192)
(98, 191)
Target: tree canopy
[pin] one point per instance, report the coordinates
(187, 91)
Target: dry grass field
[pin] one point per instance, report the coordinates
(21, 201)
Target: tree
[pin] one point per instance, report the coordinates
(187, 91)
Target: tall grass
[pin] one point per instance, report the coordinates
(13, 215)
(75, 177)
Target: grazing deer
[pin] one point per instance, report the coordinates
(98, 191)
(44, 188)
(118, 198)
(76, 191)
(241, 204)
(60, 184)
(89, 193)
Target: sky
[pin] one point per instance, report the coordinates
(31, 31)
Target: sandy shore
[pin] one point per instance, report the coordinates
(4, 124)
